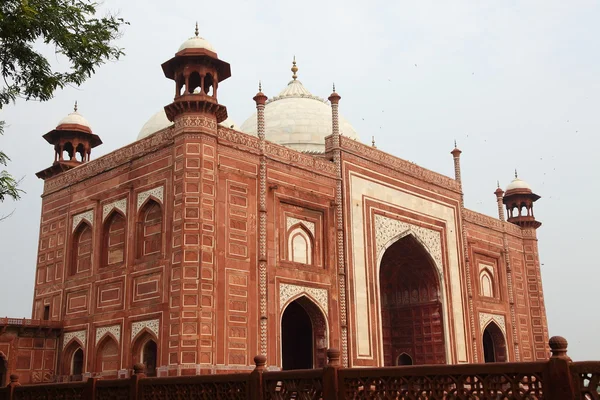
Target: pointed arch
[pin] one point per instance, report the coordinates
(73, 363)
(108, 355)
(114, 237)
(494, 343)
(81, 248)
(411, 303)
(149, 229)
(304, 334)
(145, 350)
(486, 283)
(300, 244)
(404, 359)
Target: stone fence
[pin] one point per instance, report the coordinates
(555, 379)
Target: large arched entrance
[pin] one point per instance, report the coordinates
(411, 305)
(303, 336)
(494, 345)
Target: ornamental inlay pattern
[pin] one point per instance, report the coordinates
(291, 221)
(88, 216)
(387, 228)
(151, 324)
(120, 205)
(80, 335)
(157, 193)
(115, 330)
(485, 318)
(287, 291)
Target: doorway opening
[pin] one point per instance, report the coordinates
(494, 345)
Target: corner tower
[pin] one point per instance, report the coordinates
(519, 199)
(73, 142)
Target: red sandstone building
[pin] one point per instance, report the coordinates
(202, 244)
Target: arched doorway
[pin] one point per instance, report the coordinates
(73, 361)
(404, 359)
(494, 345)
(149, 357)
(411, 305)
(3, 369)
(303, 336)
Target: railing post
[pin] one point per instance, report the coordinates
(90, 388)
(330, 376)
(558, 383)
(14, 382)
(138, 373)
(256, 378)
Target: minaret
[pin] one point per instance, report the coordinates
(456, 154)
(260, 100)
(499, 193)
(334, 99)
(519, 199)
(73, 141)
(197, 72)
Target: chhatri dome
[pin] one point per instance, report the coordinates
(518, 185)
(159, 121)
(74, 118)
(297, 119)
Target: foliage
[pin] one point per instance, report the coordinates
(72, 28)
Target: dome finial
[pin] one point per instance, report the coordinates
(454, 142)
(498, 183)
(196, 31)
(373, 142)
(333, 87)
(75, 106)
(259, 86)
(516, 175)
(294, 69)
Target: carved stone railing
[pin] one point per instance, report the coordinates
(555, 379)
(30, 323)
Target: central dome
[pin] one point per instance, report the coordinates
(297, 119)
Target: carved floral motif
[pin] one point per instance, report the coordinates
(87, 215)
(291, 221)
(115, 330)
(151, 324)
(79, 335)
(156, 192)
(485, 318)
(387, 228)
(287, 291)
(120, 205)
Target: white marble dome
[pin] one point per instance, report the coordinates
(159, 121)
(196, 42)
(297, 119)
(74, 118)
(518, 184)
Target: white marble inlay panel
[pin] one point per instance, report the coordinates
(287, 291)
(80, 335)
(387, 229)
(103, 330)
(291, 221)
(151, 324)
(485, 318)
(156, 192)
(87, 215)
(120, 205)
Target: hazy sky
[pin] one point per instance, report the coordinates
(516, 83)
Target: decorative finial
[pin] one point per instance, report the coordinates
(498, 183)
(373, 141)
(516, 175)
(333, 87)
(75, 107)
(259, 86)
(294, 69)
(196, 31)
(455, 143)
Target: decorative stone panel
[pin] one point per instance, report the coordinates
(151, 324)
(80, 335)
(287, 291)
(156, 192)
(291, 221)
(115, 330)
(120, 205)
(485, 318)
(87, 215)
(387, 228)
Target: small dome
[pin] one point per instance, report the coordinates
(74, 119)
(297, 119)
(157, 122)
(196, 42)
(228, 123)
(518, 184)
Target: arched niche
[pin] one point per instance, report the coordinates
(300, 245)
(411, 304)
(108, 356)
(145, 350)
(114, 239)
(73, 363)
(494, 344)
(149, 229)
(81, 249)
